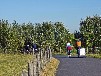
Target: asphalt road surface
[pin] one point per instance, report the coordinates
(78, 66)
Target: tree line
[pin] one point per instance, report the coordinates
(90, 33)
(13, 36)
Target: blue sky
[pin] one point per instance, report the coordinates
(69, 12)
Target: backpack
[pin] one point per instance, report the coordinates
(69, 48)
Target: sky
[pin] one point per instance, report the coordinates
(68, 12)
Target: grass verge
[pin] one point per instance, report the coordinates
(50, 68)
(12, 65)
(94, 55)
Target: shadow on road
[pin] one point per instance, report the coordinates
(60, 56)
(77, 57)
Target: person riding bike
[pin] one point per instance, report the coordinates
(35, 47)
(78, 43)
(69, 48)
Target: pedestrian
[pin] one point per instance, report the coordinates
(69, 48)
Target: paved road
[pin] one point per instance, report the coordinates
(78, 66)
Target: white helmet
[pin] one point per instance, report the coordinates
(68, 44)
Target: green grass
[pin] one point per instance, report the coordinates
(73, 52)
(94, 55)
(12, 65)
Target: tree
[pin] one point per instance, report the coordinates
(91, 30)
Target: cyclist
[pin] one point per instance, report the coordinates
(78, 43)
(69, 48)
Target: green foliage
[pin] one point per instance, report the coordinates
(13, 36)
(91, 30)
